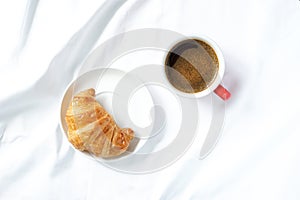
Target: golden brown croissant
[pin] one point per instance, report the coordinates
(92, 129)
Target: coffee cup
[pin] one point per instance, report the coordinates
(195, 67)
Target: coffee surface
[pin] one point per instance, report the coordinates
(192, 66)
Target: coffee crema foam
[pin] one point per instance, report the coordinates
(191, 66)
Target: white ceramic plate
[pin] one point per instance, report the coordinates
(105, 81)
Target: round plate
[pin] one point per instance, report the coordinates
(105, 81)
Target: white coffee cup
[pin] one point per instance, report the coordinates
(215, 86)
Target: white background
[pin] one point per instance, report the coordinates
(42, 43)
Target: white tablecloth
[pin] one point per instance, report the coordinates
(42, 43)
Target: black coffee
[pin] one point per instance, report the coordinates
(192, 66)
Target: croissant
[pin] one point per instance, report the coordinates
(92, 129)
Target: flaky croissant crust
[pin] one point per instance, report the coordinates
(92, 129)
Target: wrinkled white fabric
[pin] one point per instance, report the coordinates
(43, 43)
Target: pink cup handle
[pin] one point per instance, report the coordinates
(222, 92)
